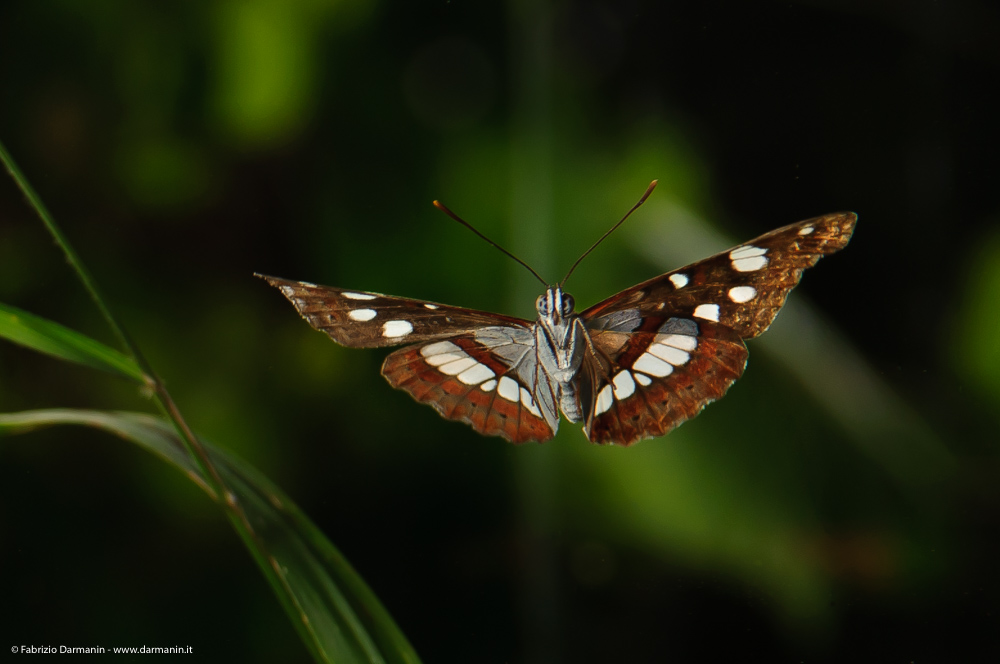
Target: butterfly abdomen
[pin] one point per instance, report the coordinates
(569, 402)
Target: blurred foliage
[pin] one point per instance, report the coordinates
(976, 341)
(841, 502)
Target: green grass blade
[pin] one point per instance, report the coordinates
(159, 392)
(50, 225)
(336, 614)
(54, 339)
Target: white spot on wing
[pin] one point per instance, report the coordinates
(806, 231)
(476, 374)
(397, 328)
(457, 366)
(604, 400)
(707, 311)
(674, 356)
(445, 358)
(431, 306)
(508, 389)
(746, 252)
(529, 403)
(679, 280)
(624, 385)
(361, 314)
(749, 264)
(438, 348)
(643, 379)
(652, 365)
(357, 296)
(682, 341)
(488, 385)
(742, 293)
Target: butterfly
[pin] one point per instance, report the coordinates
(631, 367)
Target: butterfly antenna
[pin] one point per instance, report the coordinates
(457, 218)
(649, 190)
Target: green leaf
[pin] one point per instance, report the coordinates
(54, 339)
(335, 612)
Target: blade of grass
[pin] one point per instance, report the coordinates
(160, 395)
(230, 503)
(336, 614)
(51, 338)
(63, 243)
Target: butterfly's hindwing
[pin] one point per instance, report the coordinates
(488, 378)
(360, 319)
(743, 288)
(660, 375)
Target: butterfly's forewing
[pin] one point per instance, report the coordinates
(488, 379)
(743, 288)
(660, 375)
(359, 319)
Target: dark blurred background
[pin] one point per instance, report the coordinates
(841, 503)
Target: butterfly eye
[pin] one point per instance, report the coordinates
(542, 305)
(567, 305)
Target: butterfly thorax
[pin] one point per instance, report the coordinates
(559, 334)
(560, 342)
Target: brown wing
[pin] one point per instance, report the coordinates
(359, 319)
(654, 378)
(743, 288)
(483, 379)
(471, 366)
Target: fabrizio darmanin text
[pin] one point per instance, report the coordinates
(98, 650)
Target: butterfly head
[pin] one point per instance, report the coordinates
(554, 307)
